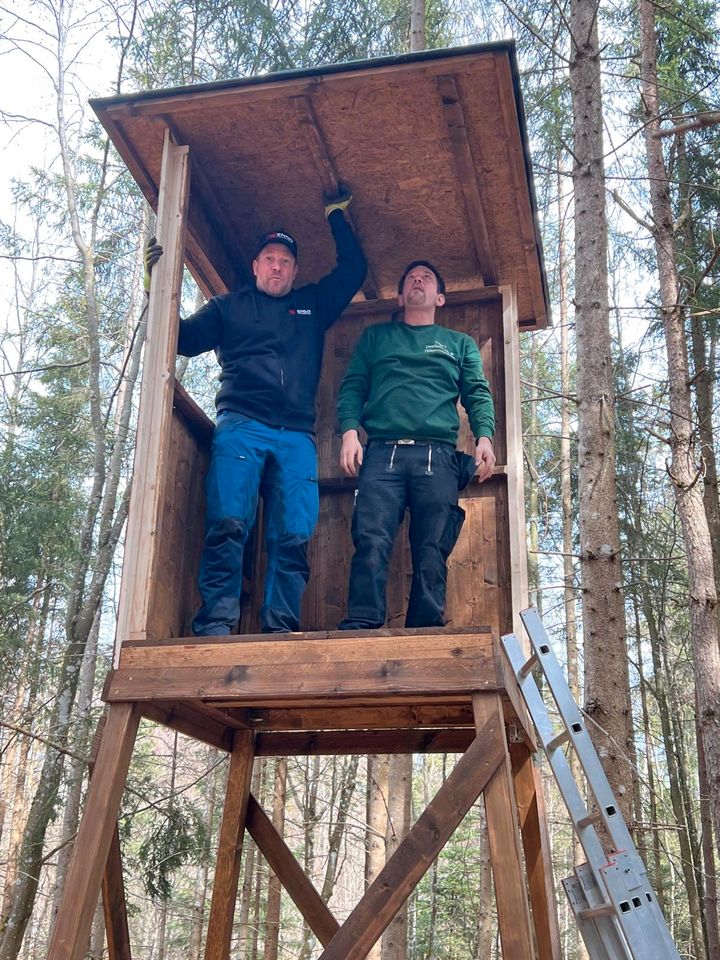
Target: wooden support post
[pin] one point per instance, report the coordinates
(505, 852)
(413, 857)
(536, 844)
(227, 869)
(93, 841)
(516, 485)
(153, 434)
(113, 887)
(114, 903)
(327, 174)
(467, 176)
(304, 895)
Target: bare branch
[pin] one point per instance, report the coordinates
(631, 213)
(709, 118)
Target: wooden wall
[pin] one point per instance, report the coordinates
(479, 573)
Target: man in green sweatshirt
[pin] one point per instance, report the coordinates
(402, 386)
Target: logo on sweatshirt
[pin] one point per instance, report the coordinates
(438, 347)
(299, 312)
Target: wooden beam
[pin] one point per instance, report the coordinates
(303, 894)
(327, 173)
(265, 683)
(379, 717)
(505, 852)
(185, 718)
(271, 642)
(467, 175)
(156, 399)
(453, 298)
(92, 844)
(227, 869)
(414, 856)
(303, 653)
(342, 742)
(114, 903)
(515, 482)
(529, 230)
(536, 844)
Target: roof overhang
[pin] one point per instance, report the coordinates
(434, 146)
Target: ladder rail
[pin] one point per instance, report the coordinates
(611, 897)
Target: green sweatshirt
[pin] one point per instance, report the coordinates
(405, 381)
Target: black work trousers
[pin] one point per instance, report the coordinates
(422, 477)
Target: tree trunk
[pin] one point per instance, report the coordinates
(272, 911)
(377, 819)
(417, 25)
(395, 940)
(684, 471)
(201, 872)
(607, 700)
(246, 890)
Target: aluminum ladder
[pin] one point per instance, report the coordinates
(614, 905)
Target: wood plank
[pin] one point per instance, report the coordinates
(303, 894)
(264, 682)
(521, 193)
(536, 844)
(185, 718)
(327, 173)
(521, 715)
(156, 397)
(92, 844)
(416, 853)
(515, 483)
(227, 869)
(401, 716)
(114, 903)
(345, 648)
(341, 742)
(117, 931)
(380, 309)
(504, 837)
(320, 635)
(467, 175)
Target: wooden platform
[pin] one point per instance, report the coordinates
(385, 691)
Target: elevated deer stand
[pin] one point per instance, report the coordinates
(434, 148)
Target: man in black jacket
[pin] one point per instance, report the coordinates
(269, 342)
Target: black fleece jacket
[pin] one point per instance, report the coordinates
(270, 349)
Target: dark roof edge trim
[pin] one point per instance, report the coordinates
(103, 103)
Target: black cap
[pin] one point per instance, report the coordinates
(422, 263)
(276, 236)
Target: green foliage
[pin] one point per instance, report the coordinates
(172, 837)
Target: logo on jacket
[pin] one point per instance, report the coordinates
(438, 347)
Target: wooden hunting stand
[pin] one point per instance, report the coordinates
(434, 147)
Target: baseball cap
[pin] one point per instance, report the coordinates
(276, 236)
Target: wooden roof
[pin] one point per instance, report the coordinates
(433, 145)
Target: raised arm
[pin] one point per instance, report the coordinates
(336, 290)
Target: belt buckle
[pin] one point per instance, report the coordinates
(405, 443)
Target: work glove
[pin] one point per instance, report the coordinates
(340, 202)
(153, 252)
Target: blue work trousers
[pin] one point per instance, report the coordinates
(249, 457)
(421, 477)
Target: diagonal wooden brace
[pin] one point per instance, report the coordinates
(416, 853)
(306, 898)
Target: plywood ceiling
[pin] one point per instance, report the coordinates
(433, 146)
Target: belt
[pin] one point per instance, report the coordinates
(407, 442)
